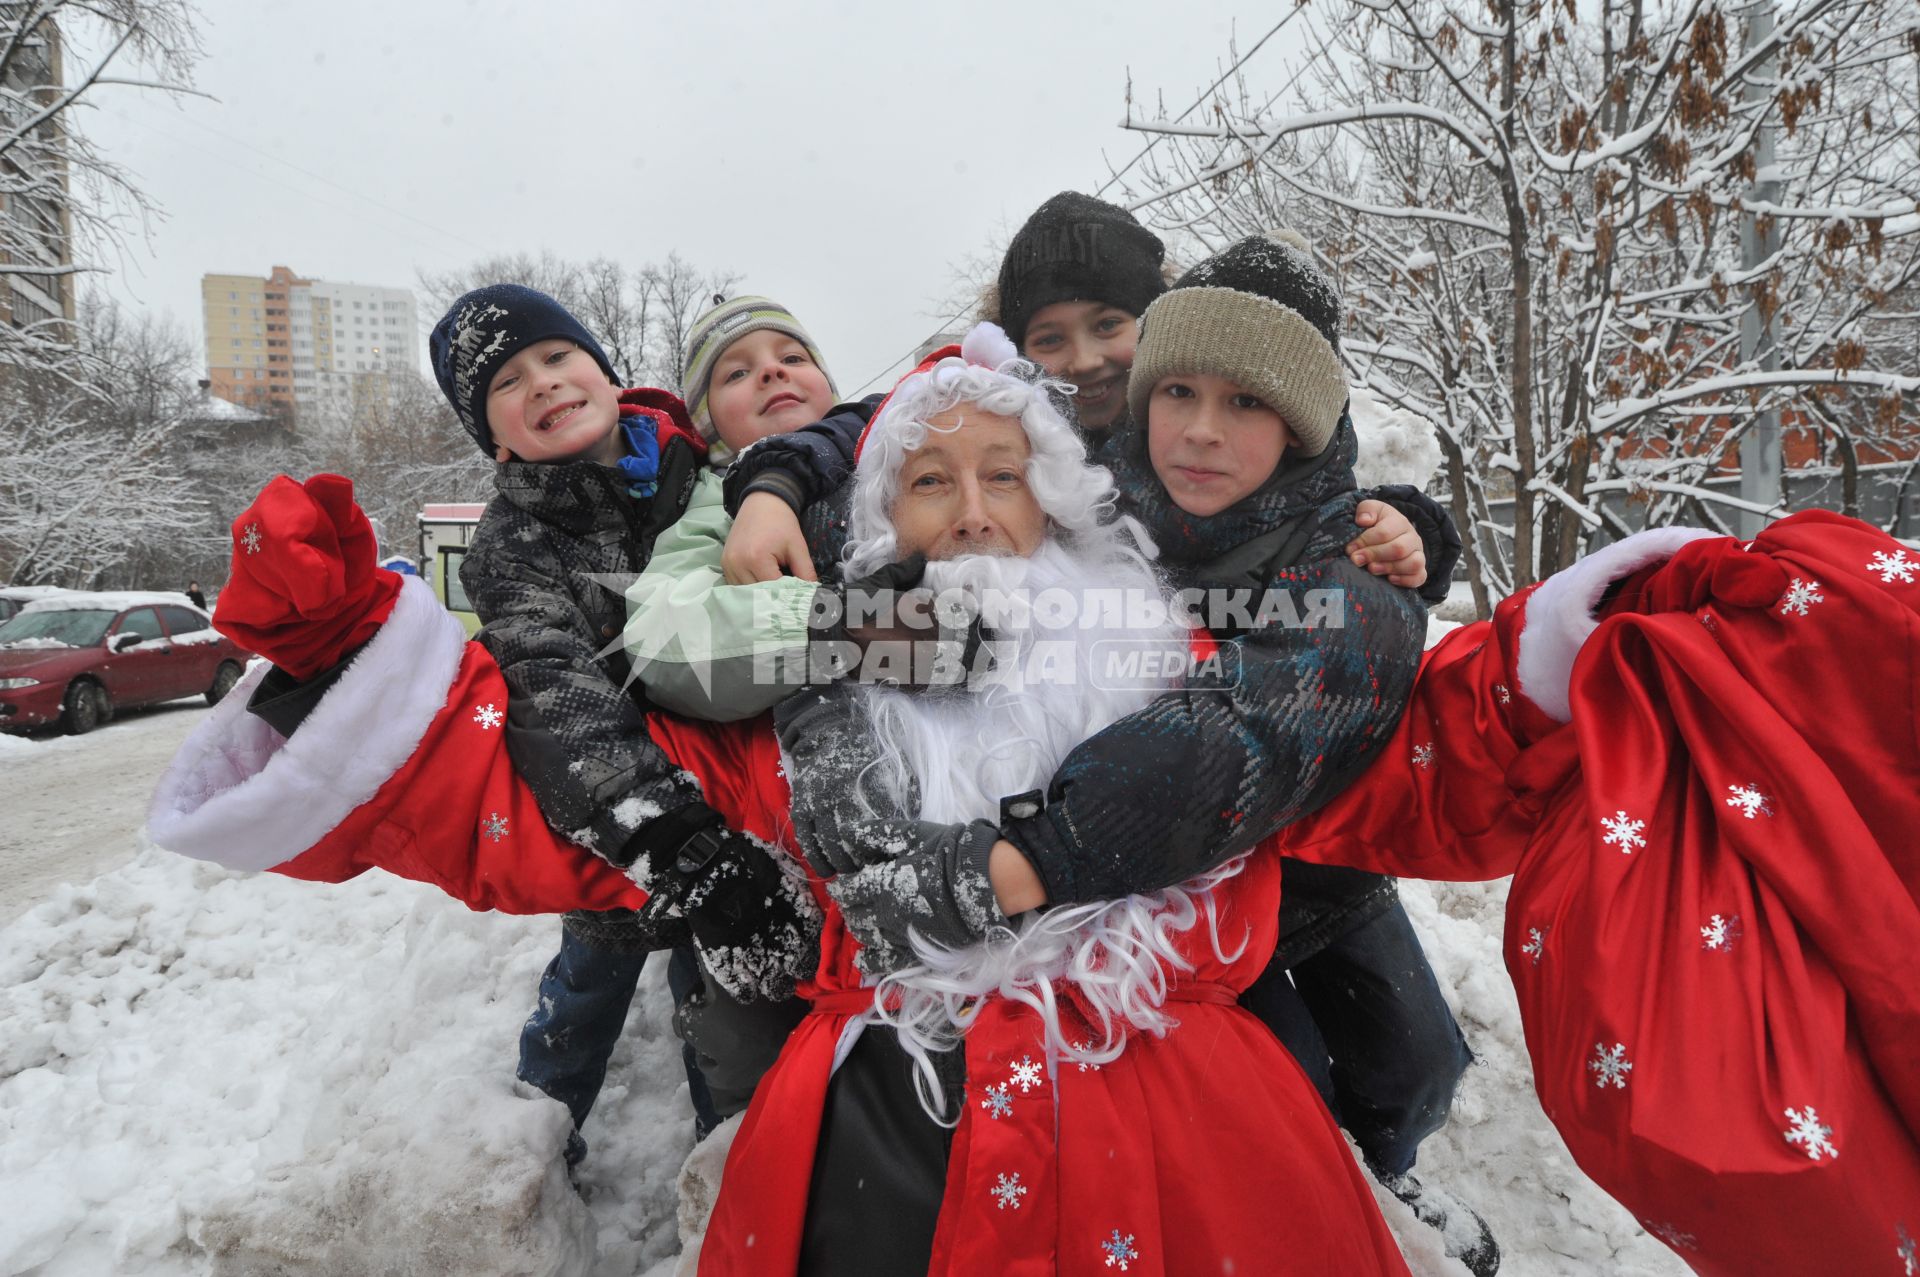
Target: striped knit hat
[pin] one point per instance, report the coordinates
(1261, 314)
(717, 329)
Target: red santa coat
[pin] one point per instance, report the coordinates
(1189, 1150)
(1715, 847)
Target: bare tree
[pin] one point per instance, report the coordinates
(1536, 216)
(680, 291)
(641, 315)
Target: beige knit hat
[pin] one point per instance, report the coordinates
(1262, 315)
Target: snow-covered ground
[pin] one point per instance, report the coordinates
(71, 805)
(204, 1072)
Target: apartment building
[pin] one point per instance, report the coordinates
(307, 346)
(36, 223)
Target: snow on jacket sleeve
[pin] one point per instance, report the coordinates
(401, 766)
(1284, 719)
(806, 465)
(703, 648)
(580, 739)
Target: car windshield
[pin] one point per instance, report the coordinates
(64, 627)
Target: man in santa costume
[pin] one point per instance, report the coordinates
(1116, 1111)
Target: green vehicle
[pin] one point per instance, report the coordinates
(446, 529)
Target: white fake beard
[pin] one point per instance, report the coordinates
(969, 748)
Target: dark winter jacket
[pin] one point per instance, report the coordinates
(546, 571)
(1289, 718)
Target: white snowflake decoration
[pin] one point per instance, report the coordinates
(1807, 1131)
(998, 1103)
(1536, 945)
(1423, 756)
(1909, 1253)
(487, 716)
(1673, 1237)
(1119, 1250)
(494, 826)
(251, 538)
(1025, 1074)
(1720, 933)
(1894, 567)
(1623, 831)
(1749, 800)
(1009, 1190)
(1086, 1066)
(1503, 693)
(1800, 596)
(1610, 1067)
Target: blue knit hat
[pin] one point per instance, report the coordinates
(486, 328)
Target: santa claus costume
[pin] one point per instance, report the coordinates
(1707, 797)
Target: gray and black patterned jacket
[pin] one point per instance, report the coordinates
(546, 573)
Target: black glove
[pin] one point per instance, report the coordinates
(755, 925)
(939, 890)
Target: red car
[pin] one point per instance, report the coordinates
(75, 658)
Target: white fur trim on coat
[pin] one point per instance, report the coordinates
(241, 795)
(1560, 612)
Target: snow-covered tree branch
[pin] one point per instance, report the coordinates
(1537, 219)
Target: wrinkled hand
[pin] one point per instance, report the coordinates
(1389, 546)
(766, 543)
(938, 890)
(755, 925)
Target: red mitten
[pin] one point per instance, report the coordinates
(304, 589)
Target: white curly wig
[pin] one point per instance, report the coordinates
(988, 373)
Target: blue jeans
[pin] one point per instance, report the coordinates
(566, 1042)
(1366, 1019)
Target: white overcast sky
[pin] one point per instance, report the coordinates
(841, 157)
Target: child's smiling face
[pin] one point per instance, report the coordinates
(1211, 443)
(1091, 345)
(552, 402)
(765, 384)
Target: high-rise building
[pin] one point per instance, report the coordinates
(309, 345)
(36, 226)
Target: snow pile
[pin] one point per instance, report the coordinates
(1395, 445)
(212, 1072)
(34, 644)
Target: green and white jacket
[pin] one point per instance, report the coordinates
(703, 648)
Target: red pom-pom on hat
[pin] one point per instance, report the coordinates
(305, 586)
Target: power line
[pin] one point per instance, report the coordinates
(1105, 186)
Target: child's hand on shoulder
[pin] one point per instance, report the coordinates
(1388, 546)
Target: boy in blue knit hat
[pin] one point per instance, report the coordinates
(588, 476)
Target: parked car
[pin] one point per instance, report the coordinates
(76, 657)
(15, 597)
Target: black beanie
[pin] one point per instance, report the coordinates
(1078, 248)
(486, 328)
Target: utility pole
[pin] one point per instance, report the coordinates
(1760, 463)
